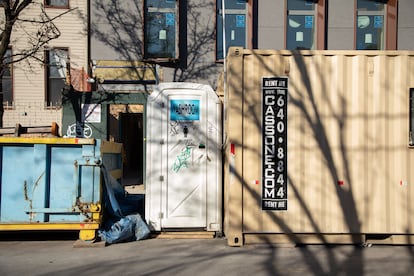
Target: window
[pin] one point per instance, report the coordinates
(370, 25)
(57, 3)
(235, 25)
(161, 29)
(300, 25)
(55, 75)
(7, 80)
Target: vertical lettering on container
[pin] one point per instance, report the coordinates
(274, 143)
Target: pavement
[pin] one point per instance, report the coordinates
(198, 257)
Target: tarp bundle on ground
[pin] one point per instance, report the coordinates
(128, 228)
(123, 222)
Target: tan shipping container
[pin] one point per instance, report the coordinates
(349, 161)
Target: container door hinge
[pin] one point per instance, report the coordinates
(160, 215)
(161, 178)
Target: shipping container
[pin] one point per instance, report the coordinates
(318, 146)
(54, 183)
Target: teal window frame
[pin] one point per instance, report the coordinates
(301, 25)
(370, 26)
(161, 30)
(236, 25)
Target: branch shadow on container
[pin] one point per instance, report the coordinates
(334, 155)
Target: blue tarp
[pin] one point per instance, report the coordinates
(123, 222)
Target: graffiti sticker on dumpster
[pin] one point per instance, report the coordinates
(274, 143)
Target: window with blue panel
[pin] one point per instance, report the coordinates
(235, 25)
(300, 25)
(161, 29)
(370, 25)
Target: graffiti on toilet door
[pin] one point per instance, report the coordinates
(181, 161)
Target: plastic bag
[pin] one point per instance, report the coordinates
(128, 228)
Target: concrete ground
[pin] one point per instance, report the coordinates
(199, 257)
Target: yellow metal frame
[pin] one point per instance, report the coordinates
(87, 230)
(47, 140)
(49, 226)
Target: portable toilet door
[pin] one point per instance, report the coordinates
(183, 168)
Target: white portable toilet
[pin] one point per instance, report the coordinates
(183, 166)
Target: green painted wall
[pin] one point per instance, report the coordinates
(86, 114)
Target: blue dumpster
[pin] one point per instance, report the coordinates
(54, 183)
